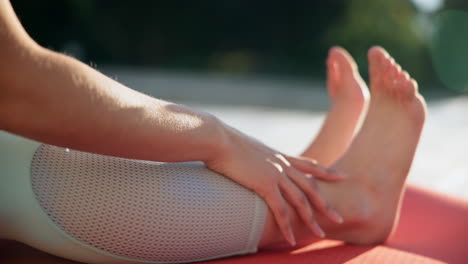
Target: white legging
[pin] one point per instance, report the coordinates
(101, 209)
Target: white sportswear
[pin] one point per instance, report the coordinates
(100, 209)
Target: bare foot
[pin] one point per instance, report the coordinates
(380, 157)
(377, 162)
(349, 98)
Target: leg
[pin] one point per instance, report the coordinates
(349, 99)
(377, 161)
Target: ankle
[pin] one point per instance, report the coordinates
(373, 231)
(370, 219)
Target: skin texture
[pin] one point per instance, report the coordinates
(55, 99)
(366, 221)
(75, 106)
(377, 161)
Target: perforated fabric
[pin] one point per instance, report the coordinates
(148, 211)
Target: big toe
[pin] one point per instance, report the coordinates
(345, 62)
(377, 56)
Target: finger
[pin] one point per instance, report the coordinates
(300, 202)
(309, 186)
(280, 210)
(311, 167)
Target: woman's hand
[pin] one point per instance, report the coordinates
(277, 178)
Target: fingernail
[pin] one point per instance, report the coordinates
(291, 239)
(335, 216)
(314, 161)
(318, 230)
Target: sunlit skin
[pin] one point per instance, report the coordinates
(56, 99)
(377, 161)
(59, 100)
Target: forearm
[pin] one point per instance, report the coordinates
(58, 100)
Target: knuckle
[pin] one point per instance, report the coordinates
(315, 195)
(287, 156)
(283, 179)
(313, 185)
(278, 156)
(277, 179)
(303, 201)
(283, 212)
(283, 160)
(274, 176)
(309, 215)
(277, 169)
(268, 192)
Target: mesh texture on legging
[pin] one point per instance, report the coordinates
(142, 210)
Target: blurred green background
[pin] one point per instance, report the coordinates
(288, 39)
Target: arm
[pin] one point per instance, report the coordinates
(58, 100)
(77, 107)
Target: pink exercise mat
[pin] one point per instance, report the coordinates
(433, 228)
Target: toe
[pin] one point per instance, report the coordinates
(402, 78)
(389, 77)
(340, 68)
(376, 56)
(394, 71)
(412, 86)
(406, 88)
(405, 75)
(378, 63)
(401, 85)
(333, 76)
(398, 68)
(345, 59)
(387, 68)
(332, 70)
(377, 50)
